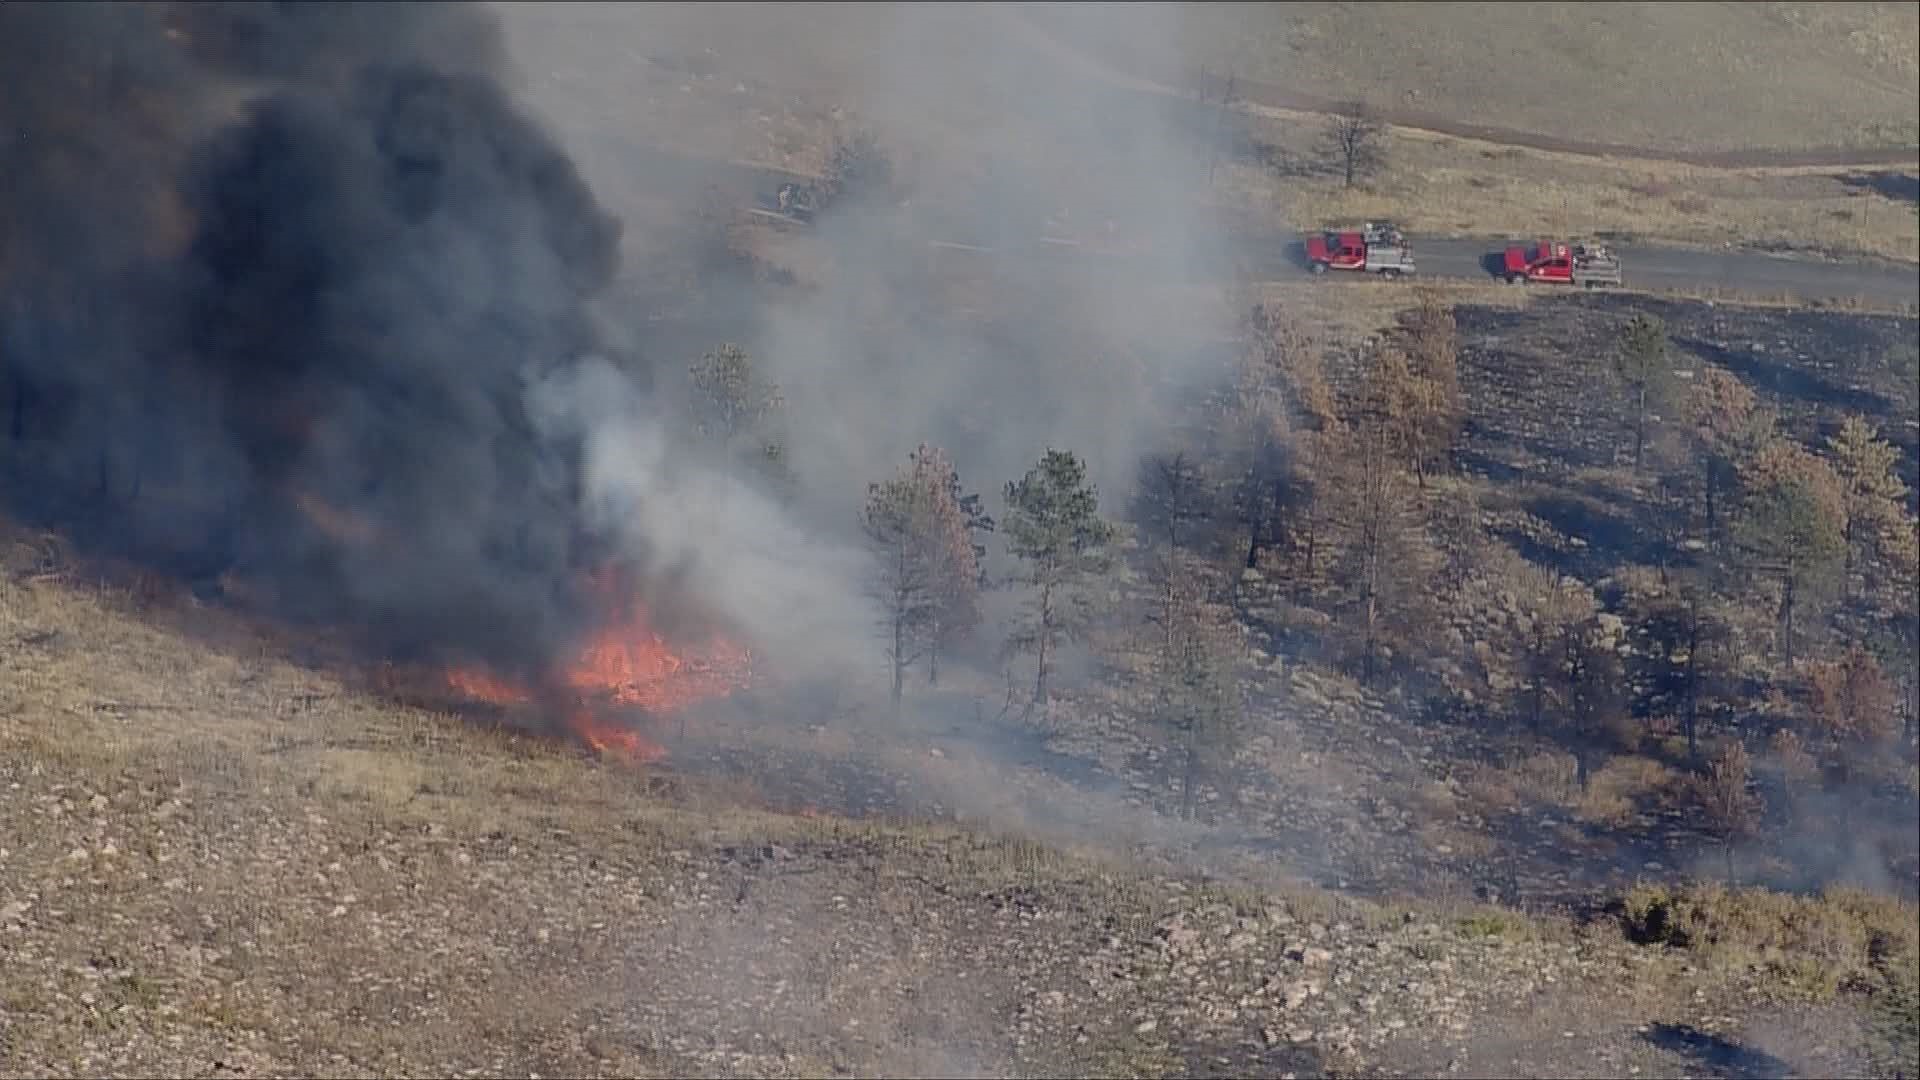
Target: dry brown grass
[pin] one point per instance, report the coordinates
(1451, 186)
(189, 823)
(1688, 76)
(763, 85)
(1622, 788)
(1350, 312)
(1816, 944)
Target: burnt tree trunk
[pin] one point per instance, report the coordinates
(1639, 424)
(1848, 534)
(1305, 584)
(1786, 619)
(1190, 771)
(1372, 617)
(899, 657)
(1044, 638)
(1692, 687)
(1712, 486)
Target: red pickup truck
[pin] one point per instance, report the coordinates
(1376, 248)
(1557, 263)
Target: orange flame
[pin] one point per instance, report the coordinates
(622, 743)
(482, 686)
(343, 526)
(624, 663)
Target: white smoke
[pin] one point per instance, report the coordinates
(795, 595)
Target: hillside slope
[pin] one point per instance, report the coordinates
(217, 863)
(1746, 76)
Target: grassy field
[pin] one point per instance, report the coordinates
(1691, 76)
(774, 86)
(1436, 184)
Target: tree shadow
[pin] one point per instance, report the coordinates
(1609, 531)
(1901, 187)
(1218, 1060)
(1787, 379)
(1716, 1056)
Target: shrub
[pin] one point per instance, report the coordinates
(1841, 939)
(856, 168)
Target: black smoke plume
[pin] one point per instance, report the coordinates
(274, 281)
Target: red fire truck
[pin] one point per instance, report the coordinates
(1553, 262)
(1374, 248)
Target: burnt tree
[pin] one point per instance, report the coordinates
(1357, 141)
(926, 573)
(1644, 369)
(1792, 528)
(1199, 698)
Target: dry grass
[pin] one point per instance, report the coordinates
(773, 86)
(1624, 787)
(1460, 187)
(1844, 938)
(1617, 792)
(1686, 76)
(1350, 312)
(215, 854)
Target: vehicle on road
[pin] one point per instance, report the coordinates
(1377, 247)
(796, 203)
(1556, 263)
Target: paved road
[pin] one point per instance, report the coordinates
(1647, 266)
(1270, 254)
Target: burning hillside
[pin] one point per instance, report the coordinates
(313, 368)
(623, 664)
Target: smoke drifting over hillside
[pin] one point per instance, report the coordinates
(302, 293)
(299, 292)
(1063, 336)
(295, 337)
(1087, 195)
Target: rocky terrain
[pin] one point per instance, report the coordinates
(219, 864)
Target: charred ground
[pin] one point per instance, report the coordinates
(398, 894)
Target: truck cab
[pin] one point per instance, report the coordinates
(1338, 250)
(1376, 247)
(1553, 262)
(1544, 261)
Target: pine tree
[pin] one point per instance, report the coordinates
(1792, 527)
(1053, 526)
(927, 574)
(1875, 497)
(1199, 696)
(1645, 370)
(1720, 413)
(739, 412)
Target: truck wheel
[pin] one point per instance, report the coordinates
(1516, 279)
(1390, 273)
(1317, 268)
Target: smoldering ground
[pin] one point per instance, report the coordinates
(315, 302)
(276, 279)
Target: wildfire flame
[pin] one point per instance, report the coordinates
(624, 663)
(342, 526)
